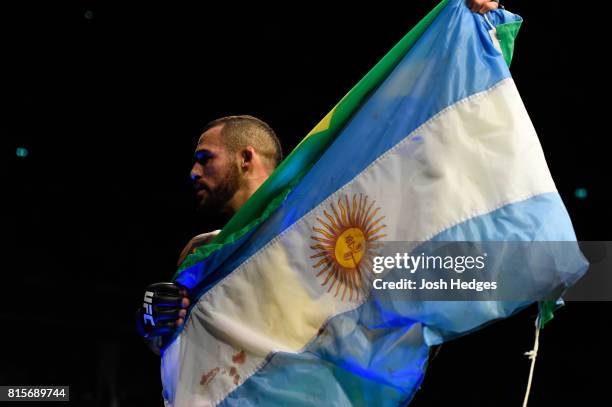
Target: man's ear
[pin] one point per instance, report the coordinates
(246, 157)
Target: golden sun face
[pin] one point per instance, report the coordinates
(345, 245)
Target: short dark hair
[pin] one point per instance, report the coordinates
(243, 130)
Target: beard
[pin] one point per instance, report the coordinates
(213, 204)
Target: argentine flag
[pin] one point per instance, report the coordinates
(433, 144)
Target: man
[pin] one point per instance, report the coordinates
(234, 156)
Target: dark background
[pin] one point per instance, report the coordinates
(109, 99)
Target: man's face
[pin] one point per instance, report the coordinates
(215, 173)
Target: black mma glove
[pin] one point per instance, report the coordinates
(159, 311)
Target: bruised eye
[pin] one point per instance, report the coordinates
(202, 157)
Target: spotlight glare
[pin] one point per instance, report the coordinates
(22, 152)
(580, 193)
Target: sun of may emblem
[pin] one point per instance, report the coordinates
(345, 245)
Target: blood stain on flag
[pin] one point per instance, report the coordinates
(239, 358)
(207, 377)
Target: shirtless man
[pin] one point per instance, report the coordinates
(234, 156)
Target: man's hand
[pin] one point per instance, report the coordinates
(163, 309)
(482, 6)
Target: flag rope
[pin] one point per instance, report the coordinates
(532, 355)
(489, 22)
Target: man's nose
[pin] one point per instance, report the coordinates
(196, 172)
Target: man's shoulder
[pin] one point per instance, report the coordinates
(204, 238)
(195, 242)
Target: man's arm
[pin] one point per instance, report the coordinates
(199, 240)
(163, 310)
(164, 305)
(483, 6)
